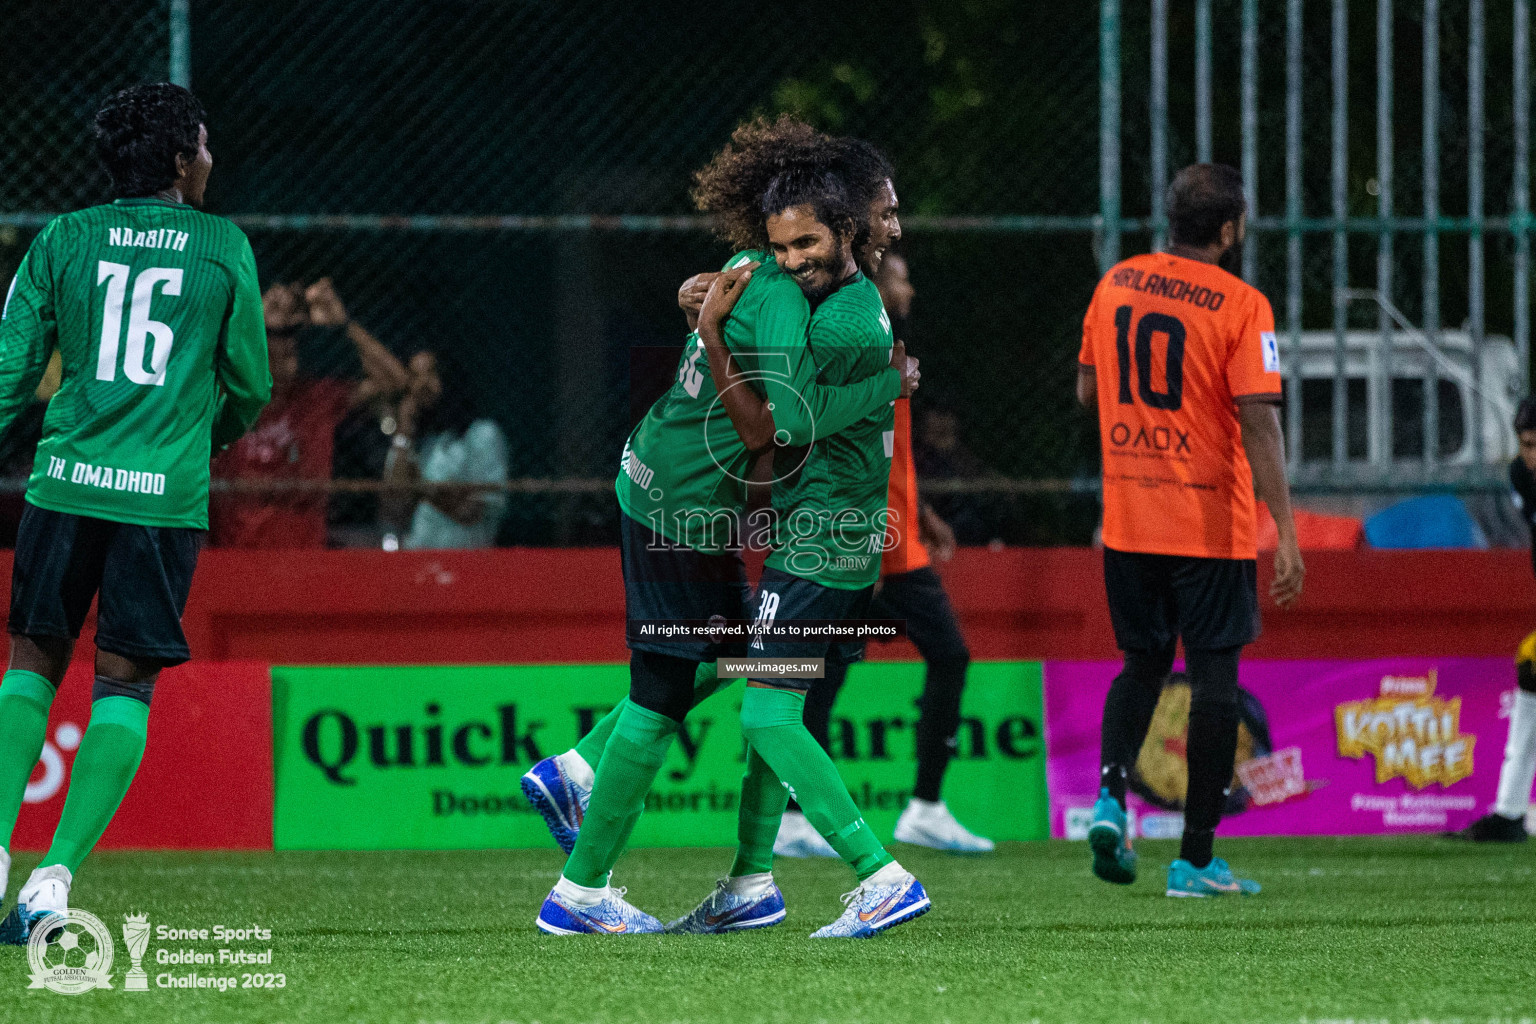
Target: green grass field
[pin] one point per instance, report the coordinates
(1378, 930)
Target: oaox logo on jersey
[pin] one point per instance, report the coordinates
(1158, 439)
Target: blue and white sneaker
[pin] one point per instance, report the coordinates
(611, 916)
(725, 911)
(1215, 879)
(1114, 860)
(874, 908)
(560, 799)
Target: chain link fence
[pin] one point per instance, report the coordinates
(504, 184)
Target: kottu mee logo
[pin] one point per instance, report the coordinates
(70, 953)
(1412, 734)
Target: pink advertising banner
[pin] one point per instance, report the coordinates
(1325, 747)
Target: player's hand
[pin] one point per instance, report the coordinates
(723, 293)
(906, 366)
(325, 306)
(936, 534)
(282, 307)
(1289, 574)
(690, 297)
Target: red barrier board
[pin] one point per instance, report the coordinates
(206, 778)
(550, 605)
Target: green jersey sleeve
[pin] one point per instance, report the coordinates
(803, 408)
(245, 380)
(28, 330)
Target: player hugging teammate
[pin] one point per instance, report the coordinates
(793, 341)
(153, 309)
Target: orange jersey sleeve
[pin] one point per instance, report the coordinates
(1253, 368)
(904, 549)
(1173, 342)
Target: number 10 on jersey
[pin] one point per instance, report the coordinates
(1173, 373)
(143, 333)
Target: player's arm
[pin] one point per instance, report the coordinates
(28, 330)
(829, 410)
(241, 366)
(1265, 446)
(1087, 376)
(782, 416)
(1253, 379)
(937, 535)
(1087, 387)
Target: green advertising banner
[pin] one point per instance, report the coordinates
(430, 758)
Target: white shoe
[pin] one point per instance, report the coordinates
(929, 823)
(46, 892)
(798, 838)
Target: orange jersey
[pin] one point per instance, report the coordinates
(1174, 342)
(904, 550)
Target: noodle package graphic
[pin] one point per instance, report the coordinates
(1324, 747)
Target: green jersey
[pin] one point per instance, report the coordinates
(684, 468)
(156, 315)
(830, 503)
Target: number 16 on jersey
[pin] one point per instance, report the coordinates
(143, 333)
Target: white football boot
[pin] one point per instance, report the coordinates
(929, 823)
(798, 838)
(46, 892)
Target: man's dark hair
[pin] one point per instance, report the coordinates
(1525, 415)
(1201, 198)
(820, 188)
(139, 133)
(866, 170)
(767, 167)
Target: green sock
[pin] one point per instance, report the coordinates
(707, 681)
(772, 721)
(590, 746)
(24, 701)
(109, 755)
(633, 756)
(763, 798)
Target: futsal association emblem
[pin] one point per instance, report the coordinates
(70, 953)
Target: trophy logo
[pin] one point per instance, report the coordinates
(136, 938)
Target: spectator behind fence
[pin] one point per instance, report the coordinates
(439, 440)
(940, 454)
(293, 441)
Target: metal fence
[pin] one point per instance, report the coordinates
(1365, 437)
(505, 184)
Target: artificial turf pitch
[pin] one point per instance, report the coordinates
(1364, 930)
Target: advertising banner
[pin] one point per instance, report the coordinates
(430, 758)
(206, 778)
(1324, 748)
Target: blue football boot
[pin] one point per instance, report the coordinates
(725, 911)
(1114, 860)
(611, 916)
(874, 908)
(1215, 879)
(561, 800)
